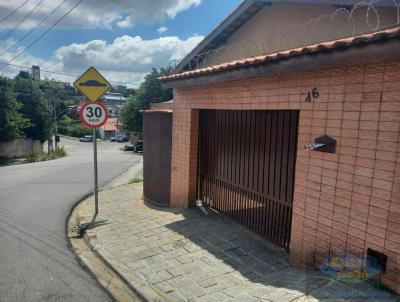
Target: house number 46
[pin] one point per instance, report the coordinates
(312, 95)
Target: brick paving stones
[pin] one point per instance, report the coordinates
(183, 255)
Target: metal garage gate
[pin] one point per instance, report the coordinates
(246, 167)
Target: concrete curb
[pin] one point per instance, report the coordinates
(108, 278)
(69, 223)
(143, 290)
(139, 287)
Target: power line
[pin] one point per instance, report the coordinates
(14, 11)
(37, 26)
(41, 36)
(10, 32)
(46, 31)
(61, 73)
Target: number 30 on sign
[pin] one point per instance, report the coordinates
(93, 115)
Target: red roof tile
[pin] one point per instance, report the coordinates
(315, 48)
(111, 125)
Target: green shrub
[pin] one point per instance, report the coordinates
(60, 152)
(42, 156)
(135, 180)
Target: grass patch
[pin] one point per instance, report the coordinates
(42, 156)
(135, 180)
(380, 286)
(4, 161)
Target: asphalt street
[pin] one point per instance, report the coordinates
(35, 200)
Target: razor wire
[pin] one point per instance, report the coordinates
(345, 21)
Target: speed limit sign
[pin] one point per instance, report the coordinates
(93, 115)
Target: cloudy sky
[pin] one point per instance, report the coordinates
(122, 38)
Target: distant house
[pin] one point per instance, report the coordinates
(109, 129)
(286, 118)
(114, 102)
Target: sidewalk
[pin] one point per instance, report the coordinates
(183, 255)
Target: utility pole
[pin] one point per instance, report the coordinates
(52, 98)
(55, 122)
(51, 103)
(118, 114)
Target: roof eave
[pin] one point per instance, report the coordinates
(208, 42)
(356, 54)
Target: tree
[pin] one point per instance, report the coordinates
(56, 96)
(27, 107)
(12, 121)
(150, 91)
(34, 107)
(131, 116)
(125, 91)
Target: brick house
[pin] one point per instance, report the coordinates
(241, 123)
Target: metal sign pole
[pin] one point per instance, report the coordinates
(93, 114)
(96, 189)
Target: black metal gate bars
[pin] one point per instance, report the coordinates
(246, 167)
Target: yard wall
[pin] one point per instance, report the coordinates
(157, 131)
(20, 148)
(346, 201)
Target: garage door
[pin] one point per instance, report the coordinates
(246, 167)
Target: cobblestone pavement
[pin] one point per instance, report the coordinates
(183, 255)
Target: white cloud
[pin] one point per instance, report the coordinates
(126, 59)
(162, 29)
(125, 53)
(96, 13)
(24, 60)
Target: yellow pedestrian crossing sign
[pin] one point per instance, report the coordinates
(92, 84)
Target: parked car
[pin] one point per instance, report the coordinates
(129, 147)
(121, 138)
(138, 147)
(134, 147)
(86, 138)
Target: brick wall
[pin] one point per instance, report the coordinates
(346, 201)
